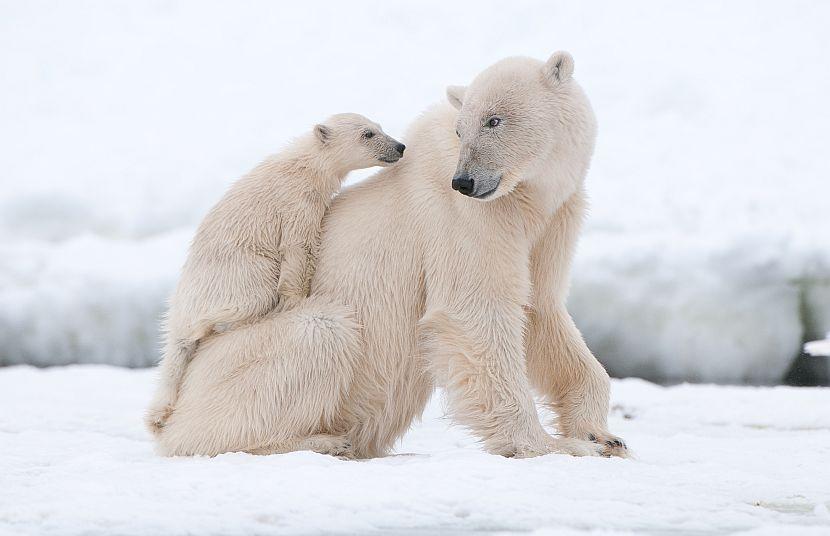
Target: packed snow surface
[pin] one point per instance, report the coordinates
(706, 254)
(709, 460)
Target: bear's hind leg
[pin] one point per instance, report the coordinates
(332, 445)
(272, 386)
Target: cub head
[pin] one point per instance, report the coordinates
(513, 119)
(355, 142)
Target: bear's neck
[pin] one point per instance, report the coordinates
(544, 189)
(554, 184)
(306, 158)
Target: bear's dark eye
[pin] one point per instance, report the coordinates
(493, 122)
(457, 133)
(368, 134)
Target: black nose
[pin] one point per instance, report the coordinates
(400, 147)
(463, 183)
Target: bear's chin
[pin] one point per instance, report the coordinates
(504, 188)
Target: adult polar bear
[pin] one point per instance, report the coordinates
(420, 285)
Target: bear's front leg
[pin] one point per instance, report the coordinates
(481, 367)
(566, 373)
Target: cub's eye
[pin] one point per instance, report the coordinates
(457, 133)
(368, 134)
(493, 122)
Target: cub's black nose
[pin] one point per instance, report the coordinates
(400, 147)
(463, 183)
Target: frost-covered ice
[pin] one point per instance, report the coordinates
(706, 253)
(709, 460)
(88, 298)
(818, 348)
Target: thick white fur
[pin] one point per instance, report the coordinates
(256, 249)
(418, 285)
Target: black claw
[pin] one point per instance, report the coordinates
(619, 443)
(592, 437)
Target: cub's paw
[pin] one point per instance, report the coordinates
(156, 418)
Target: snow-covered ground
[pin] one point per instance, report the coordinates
(75, 459)
(707, 251)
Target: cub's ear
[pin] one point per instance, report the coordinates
(322, 132)
(559, 68)
(455, 94)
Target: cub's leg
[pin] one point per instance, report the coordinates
(300, 245)
(295, 274)
(176, 357)
(237, 300)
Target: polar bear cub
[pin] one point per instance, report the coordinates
(255, 251)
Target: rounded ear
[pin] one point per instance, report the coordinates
(559, 67)
(455, 94)
(322, 132)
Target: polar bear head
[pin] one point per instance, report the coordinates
(352, 141)
(518, 120)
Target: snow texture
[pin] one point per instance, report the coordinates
(709, 460)
(706, 254)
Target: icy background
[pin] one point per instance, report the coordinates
(707, 251)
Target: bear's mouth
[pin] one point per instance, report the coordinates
(484, 189)
(389, 160)
(485, 195)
